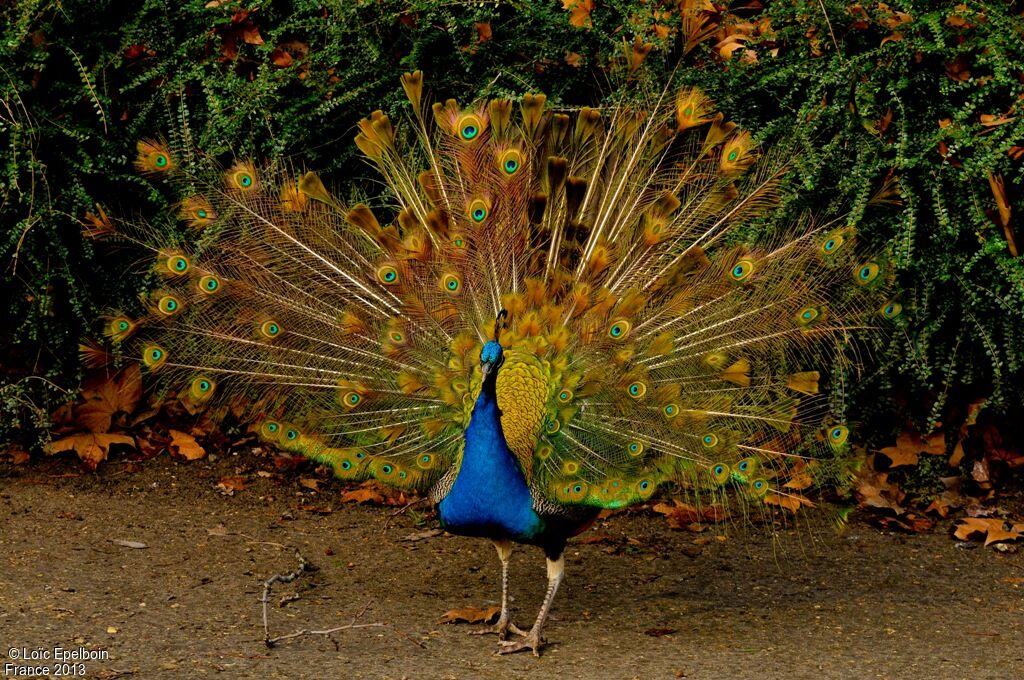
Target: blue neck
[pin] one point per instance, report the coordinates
(490, 496)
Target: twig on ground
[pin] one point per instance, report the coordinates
(304, 567)
(401, 511)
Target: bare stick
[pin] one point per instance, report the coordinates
(305, 567)
(400, 511)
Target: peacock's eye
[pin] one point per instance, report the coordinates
(830, 245)
(671, 411)
(353, 399)
(806, 315)
(552, 426)
(892, 310)
(291, 434)
(637, 390)
(346, 465)
(204, 385)
(511, 161)
(425, 458)
(387, 275)
(838, 435)
(709, 440)
(397, 337)
(733, 154)
(244, 179)
(123, 325)
(209, 284)
(743, 466)
(570, 467)
(156, 354)
(386, 469)
(451, 283)
(270, 329)
(741, 270)
(201, 214)
(273, 427)
(645, 485)
(867, 273)
(719, 469)
(619, 330)
(176, 264)
(635, 448)
(458, 242)
(760, 485)
(160, 160)
(469, 127)
(564, 396)
(153, 356)
(168, 305)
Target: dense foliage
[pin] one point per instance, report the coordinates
(919, 96)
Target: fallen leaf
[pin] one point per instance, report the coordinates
(312, 484)
(596, 538)
(659, 632)
(362, 496)
(789, 501)
(281, 58)
(422, 535)
(105, 396)
(993, 529)
(186, 445)
(231, 484)
(470, 615)
(483, 31)
(579, 11)
(91, 448)
(909, 445)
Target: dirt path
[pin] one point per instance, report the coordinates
(861, 605)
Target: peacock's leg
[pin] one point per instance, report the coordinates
(533, 639)
(504, 624)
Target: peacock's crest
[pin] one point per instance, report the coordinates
(643, 344)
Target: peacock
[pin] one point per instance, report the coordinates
(552, 313)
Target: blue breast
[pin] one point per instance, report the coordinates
(490, 496)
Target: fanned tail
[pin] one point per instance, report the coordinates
(647, 343)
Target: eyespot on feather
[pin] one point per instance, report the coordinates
(478, 210)
(837, 436)
(168, 305)
(468, 127)
(208, 284)
(510, 161)
(891, 310)
(177, 265)
(119, 328)
(270, 430)
(709, 441)
(270, 329)
(202, 388)
(637, 389)
(387, 274)
(720, 473)
(742, 270)
(619, 329)
(866, 273)
(451, 284)
(153, 356)
(635, 449)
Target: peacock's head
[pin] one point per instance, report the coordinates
(491, 358)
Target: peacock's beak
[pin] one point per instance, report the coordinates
(486, 368)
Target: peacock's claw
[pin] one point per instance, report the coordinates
(532, 641)
(501, 629)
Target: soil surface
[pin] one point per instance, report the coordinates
(643, 602)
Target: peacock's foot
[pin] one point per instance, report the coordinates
(532, 641)
(502, 628)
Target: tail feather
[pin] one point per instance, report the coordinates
(646, 346)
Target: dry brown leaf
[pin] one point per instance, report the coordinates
(910, 444)
(186, 445)
(313, 484)
(579, 11)
(363, 495)
(231, 483)
(483, 31)
(992, 528)
(105, 396)
(573, 59)
(789, 501)
(281, 58)
(470, 615)
(92, 448)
